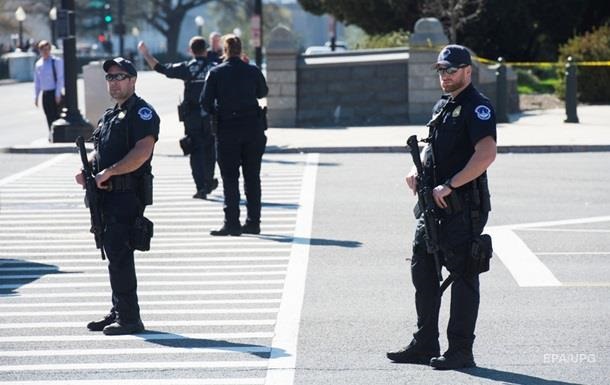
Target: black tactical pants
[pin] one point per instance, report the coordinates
(241, 144)
(203, 156)
(120, 209)
(456, 237)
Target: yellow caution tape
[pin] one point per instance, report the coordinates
(546, 64)
(593, 63)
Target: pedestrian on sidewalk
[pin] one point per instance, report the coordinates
(124, 141)
(461, 146)
(231, 92)
(197, 125)
(49, 79)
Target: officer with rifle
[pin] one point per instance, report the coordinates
(121, 167)
(452, 210)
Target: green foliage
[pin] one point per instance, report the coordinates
(388, 40)
(518, 30)
(536, 80)
(593, 81)
(373, 16)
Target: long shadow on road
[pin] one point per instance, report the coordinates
(311, 241)
(179, 341)
(15, 273)
(511, 378)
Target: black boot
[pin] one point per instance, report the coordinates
(98, 326)
(454, 359)
(227, 230)
(120, 328)
(251, 228)
(212, 186)
(413, 354)
(201, 194)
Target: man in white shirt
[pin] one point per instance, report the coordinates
(48, 79)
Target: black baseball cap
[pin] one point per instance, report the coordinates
(123, 63)
(453, 55)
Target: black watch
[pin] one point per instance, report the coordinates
(448, 184)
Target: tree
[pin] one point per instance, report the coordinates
(166, 16)
(232, 14)
(454, 14)
(516, 29)
(527, 30)
(373, 16)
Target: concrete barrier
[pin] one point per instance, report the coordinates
(21, 65)
(97, 99)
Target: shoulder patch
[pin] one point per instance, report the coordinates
(145, 113)
(483, 112)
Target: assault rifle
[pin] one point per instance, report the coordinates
(426, 204)
(92, 197)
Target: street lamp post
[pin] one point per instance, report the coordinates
(53, 18)
(135, 32)
(20, 16)
(200, 21)
(120, 28)
(71, 124)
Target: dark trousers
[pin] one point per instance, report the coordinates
(120, 209)
(203, 156)
(241, 144)
(50, 107)
(456, 237)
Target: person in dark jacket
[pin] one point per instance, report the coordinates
(460, 149)
(231, 92)
(124, 142)
(196, 121)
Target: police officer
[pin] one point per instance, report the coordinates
(196, 121)
(215, 51)
(124, 141)
(231, 91)
(461, 148)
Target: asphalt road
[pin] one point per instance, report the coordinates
(357, 299)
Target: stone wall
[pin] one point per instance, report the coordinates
(282, 54)
(364, 87)
(353, 88)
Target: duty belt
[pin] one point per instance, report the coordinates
(238, 114)
(120, 183)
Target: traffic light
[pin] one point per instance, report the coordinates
(107, 14)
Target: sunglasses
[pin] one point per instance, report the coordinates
(117, 77)
(449, 70)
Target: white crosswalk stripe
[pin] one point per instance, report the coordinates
(217, 310)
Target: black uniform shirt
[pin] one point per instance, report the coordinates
(468, 118)
(214, 56)
(193, 72)
(235, 86)
(119, 130)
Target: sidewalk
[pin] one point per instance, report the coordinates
(533, 131)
